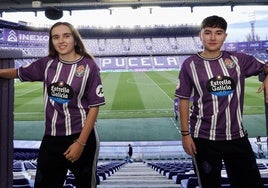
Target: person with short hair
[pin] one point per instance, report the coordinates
(212, 129)
(73, 93)
(130, 152)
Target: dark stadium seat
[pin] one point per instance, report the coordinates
(22, 186)
(225, 180)
(102, 174)
(22, 182)
(191, 182)
(25, 154)
(98, 179)
(265, 180)
(68, 186)
(225, 186)
(18, 166)
(174, 172)
(70, 180)
(181, 176)
(29, 165)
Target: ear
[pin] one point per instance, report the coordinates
(226, 34)
(200, 36)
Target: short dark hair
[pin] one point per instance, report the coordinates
(214, 21)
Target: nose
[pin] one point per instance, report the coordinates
(213, 36)
(60, 39)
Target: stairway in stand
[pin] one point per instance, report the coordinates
(137, 175)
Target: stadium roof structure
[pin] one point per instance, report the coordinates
(69, 5)
(91, 33)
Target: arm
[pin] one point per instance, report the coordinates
(184, 114)
(75, 150)
(89, 124)
(264, 85)
(8, 73)
(187, 141)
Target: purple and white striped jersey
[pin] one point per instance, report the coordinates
(70, 89)
(217, 89)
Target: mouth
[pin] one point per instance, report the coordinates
(62, 47)
(212, 44)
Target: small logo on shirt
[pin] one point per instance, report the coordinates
(229, 63)
(99, 91)
(221, 85)
(60, 92)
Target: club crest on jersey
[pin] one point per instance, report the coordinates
(80, 71)
(60, 92)
(220, 85)
(229, 63)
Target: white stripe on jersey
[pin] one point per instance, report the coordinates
(238, 90)
(215, 104)
(227, 110)
(53, 127)
(55, 114)
(67, 115)
(196, 81)
(82, 90)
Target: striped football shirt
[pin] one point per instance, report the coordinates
(217, 88)
(70, 89)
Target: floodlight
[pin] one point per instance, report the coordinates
(36, 4)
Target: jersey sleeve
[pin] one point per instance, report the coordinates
(251, 66)
(34, 71)
(95, 93)
(184, 88)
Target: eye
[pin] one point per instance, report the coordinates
(219, 33)
(55, 37)
(67, 35)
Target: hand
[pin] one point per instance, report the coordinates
(261, 88)
(74, 152)
(188, 145)
(264, 87)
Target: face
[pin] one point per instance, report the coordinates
(63, 41)
(212, 38)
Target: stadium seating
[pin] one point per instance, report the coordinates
(191, 182)
(22, 183)
(18, 166)
(182, 173)
(22, 186)
(24, 172)
(130, 46)
(68, 186)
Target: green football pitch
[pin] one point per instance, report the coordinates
(139, 107)
(127, 94)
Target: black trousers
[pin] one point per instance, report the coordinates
(238, 158)
(52, 166)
